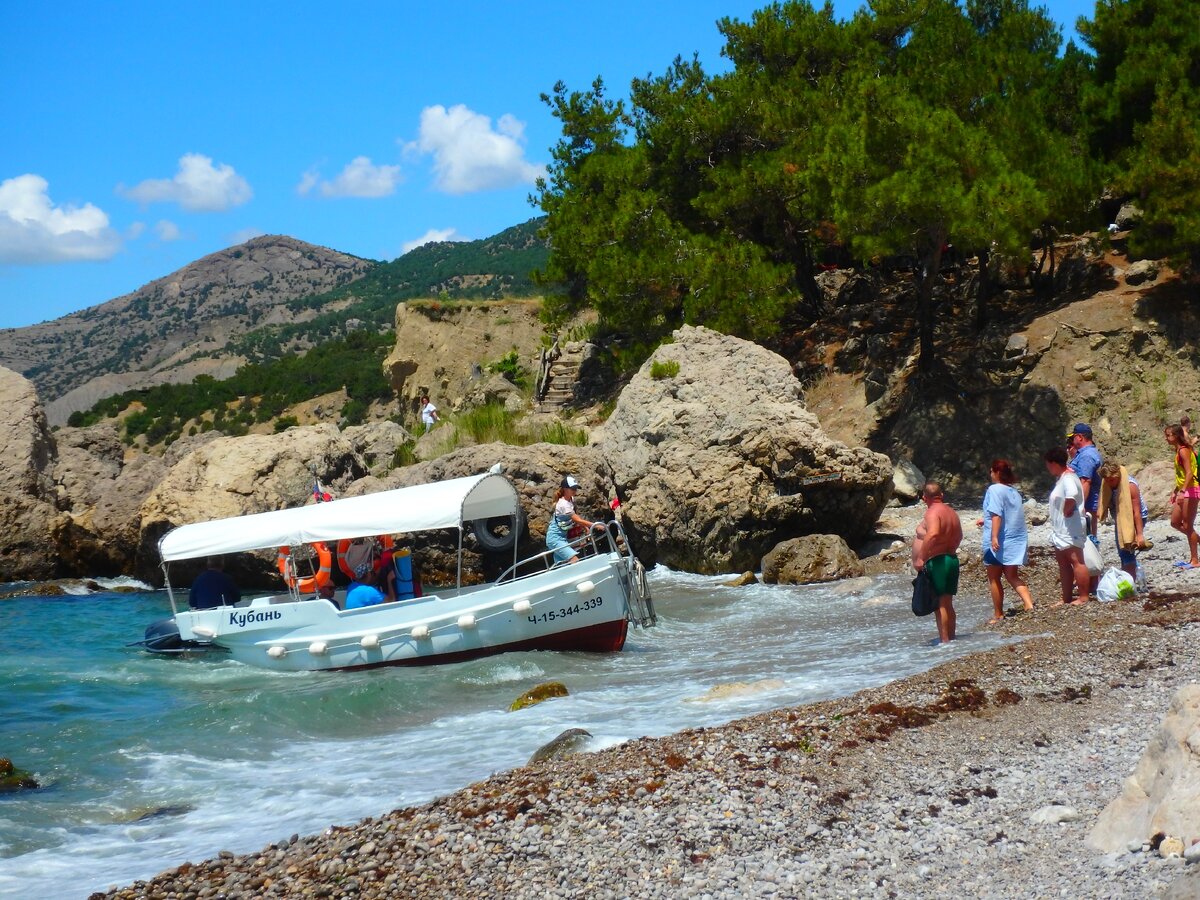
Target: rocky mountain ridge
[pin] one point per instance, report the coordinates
(168, 330)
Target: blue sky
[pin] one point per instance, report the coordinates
(142, 136)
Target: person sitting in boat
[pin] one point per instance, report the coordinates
(385, 574)
(364, 590)
(561, 520)
(327, 591)
(213, 588)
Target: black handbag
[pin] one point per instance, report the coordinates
(924, 600)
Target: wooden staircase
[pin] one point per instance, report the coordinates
(562, 374)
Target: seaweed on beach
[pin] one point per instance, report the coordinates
(1158, 600)
(961, 695)
(1068, 694)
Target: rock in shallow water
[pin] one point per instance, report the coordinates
(742, 580)
(568, 743)
(737, 689)
(536, 695)
(810, 559)
(14, 779)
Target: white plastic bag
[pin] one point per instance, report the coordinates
(1116, 585)
(1092, 558)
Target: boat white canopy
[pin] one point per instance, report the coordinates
(423, 507)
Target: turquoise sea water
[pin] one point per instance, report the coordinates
(147, 762)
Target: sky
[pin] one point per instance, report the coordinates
(140, 136)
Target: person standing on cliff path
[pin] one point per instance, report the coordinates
(935, 547)
(429, 413)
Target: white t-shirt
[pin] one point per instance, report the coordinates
(1068, 530)
(428, 411)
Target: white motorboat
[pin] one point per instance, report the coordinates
(534, 605)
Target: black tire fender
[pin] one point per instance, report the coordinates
(498, 534)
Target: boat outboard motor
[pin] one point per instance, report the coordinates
(163, 637)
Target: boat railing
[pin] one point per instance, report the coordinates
(609, 539)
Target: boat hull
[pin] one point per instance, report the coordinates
(582, 606)
(607, 637)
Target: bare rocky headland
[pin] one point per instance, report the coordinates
(980, 777)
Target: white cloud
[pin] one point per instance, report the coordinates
(34, 230)
(432, 236)
(308, 181)
(244, 234)
(198, 186)
(167, 231)
(360, 178)
(135, 230)
(469, 155)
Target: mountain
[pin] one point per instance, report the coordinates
(152, 335)
(268, 298)
(491, 268)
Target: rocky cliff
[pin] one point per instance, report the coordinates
(1109, 341)
(443, 347)
(30, 516)
(174, 328)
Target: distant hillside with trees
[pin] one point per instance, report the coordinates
(501, 266)
(259, 392)
(333, 340)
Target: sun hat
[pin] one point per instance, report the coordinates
(569, 482)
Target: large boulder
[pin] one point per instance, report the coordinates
(237, 476)
(907, 481)
(1156, 482)
(1141, 271)
(1128, 216)
(30, 519)
(716, 459)
(1163, 793)
(377, 443)
(810, 559)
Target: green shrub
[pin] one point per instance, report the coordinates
(510, 367)
(405, 455)
(491, 422)
(664, 369)
(285, 422)
(559, 433)
(354, 411)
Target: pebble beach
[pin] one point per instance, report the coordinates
(980, 777)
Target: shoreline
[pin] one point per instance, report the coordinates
(920, 787)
